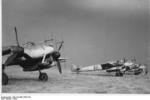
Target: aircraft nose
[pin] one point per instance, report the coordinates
(56, 55)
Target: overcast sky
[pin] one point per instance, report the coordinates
(94, 31)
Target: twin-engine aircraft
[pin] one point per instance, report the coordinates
(32, 57)
(119, 67)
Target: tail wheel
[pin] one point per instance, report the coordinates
(43, 77)
(4, 79)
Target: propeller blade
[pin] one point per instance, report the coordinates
(10, 59)
(60, 45)
(59, 66)
(16, 36)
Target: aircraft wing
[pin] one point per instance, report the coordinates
(113, 69)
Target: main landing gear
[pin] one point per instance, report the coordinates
(5, 78)
(43, 76)
(119, 73)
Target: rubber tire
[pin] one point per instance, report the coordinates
(43, 77)
(3, 67)
(4, 79)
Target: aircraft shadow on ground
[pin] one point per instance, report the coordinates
(23, 79)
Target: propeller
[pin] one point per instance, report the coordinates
(16, 36)
(58, 61)
(59, 66)
(16, 50)
(60, 46)
(56, 56)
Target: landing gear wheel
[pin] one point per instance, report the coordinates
(118, 73)
(3, 66)
(43, 77)
(4, 79)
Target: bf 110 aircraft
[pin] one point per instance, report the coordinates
(120, 67)
(126, 66)
(35, 57)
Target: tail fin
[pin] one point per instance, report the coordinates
(75, 68)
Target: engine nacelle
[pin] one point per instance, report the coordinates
(39, 51)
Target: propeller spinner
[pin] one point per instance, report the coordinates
(56, 56)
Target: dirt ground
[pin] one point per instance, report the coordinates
(68, 82)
